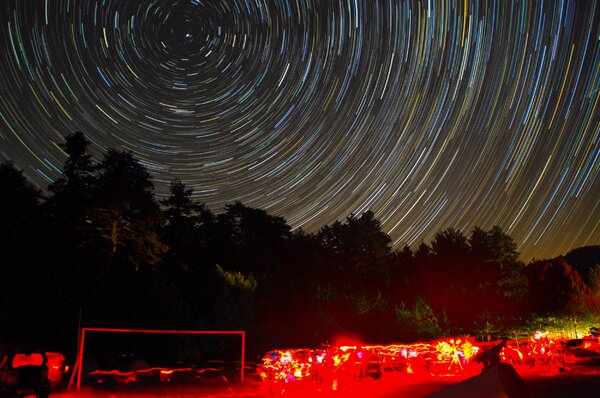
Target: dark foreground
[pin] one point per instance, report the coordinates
(581, 382)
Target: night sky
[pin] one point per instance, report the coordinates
(432, 114)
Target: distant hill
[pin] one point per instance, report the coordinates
(583, 258)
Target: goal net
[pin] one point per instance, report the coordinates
(169, 345)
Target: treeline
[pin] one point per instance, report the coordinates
(99, 249)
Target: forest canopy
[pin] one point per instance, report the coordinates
(101, 249)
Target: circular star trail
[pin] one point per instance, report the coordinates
(432, 114)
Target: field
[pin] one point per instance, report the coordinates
(578, 381)
(450, 367)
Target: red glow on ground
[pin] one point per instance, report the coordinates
(379, 371)
(350, 365)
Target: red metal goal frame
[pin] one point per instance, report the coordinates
(79, 361)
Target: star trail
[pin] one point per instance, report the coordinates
(432, 114)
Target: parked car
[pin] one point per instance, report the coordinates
(582, 351)
(24, 373)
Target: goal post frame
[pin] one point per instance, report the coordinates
(77, 369)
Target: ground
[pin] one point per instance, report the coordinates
(578, 381)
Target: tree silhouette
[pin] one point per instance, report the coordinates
(78, 168)
(423, 254)
(182, 218)
(450, 244)
(420, 322)
(21, 283)
(502, 251)
(70, 206)
(555, 287)
(19, 218)
(403, 271)
(359, 250)
(187, 262)
(72, 248)
(101, 246)
(127, 215)
(256, 239)
(19, 211)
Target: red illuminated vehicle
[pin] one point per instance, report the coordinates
(24, 373)
(582, 351)
(57, 368)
